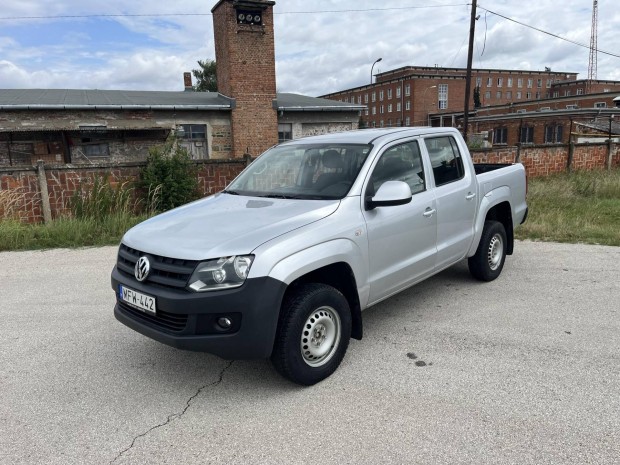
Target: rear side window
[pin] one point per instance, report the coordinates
(400, 163)
(446, 159)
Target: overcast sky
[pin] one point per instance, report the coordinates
(322, 46)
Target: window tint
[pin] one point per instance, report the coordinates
(400, 163)
(445, 159)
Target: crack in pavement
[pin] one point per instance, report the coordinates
(174, 416)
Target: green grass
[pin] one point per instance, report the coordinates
(579, 207)
(66, 232)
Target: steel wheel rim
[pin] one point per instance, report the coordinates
(495, 253)
(320, 336)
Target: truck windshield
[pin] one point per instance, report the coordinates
(302, 171)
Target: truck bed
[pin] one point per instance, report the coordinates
(486, 167)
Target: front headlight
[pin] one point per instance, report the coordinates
(221, 273)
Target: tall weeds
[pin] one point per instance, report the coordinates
(100, 200)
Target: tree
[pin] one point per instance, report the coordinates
(477, 103)
(206, 77)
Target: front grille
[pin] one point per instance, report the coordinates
(169, 322)
(169, 272)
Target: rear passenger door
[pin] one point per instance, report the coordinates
(401, 239)
(455, 194)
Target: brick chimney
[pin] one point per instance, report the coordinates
(187, 81)
(246, 71)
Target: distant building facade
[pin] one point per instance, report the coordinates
(246, 116)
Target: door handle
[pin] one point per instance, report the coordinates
(470, 196)
(429, 212)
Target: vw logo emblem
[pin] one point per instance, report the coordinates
(142, 269)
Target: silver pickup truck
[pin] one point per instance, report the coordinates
(283, 261)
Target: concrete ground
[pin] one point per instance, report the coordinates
(523, 370)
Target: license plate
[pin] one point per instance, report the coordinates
(136, 299)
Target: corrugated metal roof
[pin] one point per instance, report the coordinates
(83, 99)
(297, 102)
(126, 99)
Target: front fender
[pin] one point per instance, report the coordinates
(305, 261)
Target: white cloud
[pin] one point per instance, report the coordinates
(316, 53)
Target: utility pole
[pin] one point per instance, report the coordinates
(470, 54)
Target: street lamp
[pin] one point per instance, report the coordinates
(373, 65)
(424, 103)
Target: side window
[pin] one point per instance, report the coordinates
(400, 163)
(445, 158)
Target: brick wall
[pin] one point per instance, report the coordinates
(543, 160)
(22, 185)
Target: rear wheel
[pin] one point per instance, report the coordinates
(313, 334)
(488, 261)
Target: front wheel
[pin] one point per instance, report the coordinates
(313, 334)
(487, 263)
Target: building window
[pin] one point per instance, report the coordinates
(537, 95)
(487, 95)
(285, 131)
(407, 90)
(520, 83)
(500, 82)
(539, 83)
(478, 82)
(528, 95)
(579, 91)
(398, 107)
(530, 82)
(374, 96)
(572, 107)
(553, 134)
(398, 92)
(489, 82)
(509, 83)
(498, 95)
(509, 94)
(389, 124)
(407, 121)
(567, 93)
(96, 150)
(408, 105)
(195, 131)
(374, 124)
(381, 123)
(443, 97)
(526, 135)
(380, 95)
(389, 93)
(548, 83)
(518, 95)
(500, 136)
(606, 90)
(600, 105)
(365, 98)
(556, 94)
(359, 99)
(381, 109)
(374, 110)
(366, 111)
(389, 108)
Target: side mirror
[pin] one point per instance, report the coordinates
(390, 194)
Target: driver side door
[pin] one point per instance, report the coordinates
(401, 239)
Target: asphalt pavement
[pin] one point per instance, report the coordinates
(523, 370)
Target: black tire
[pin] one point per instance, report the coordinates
(312, 311)
(487, 263)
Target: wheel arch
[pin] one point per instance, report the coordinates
(503, 213)
(341, 277)
(496, 206)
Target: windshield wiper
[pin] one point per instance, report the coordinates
(226, 191)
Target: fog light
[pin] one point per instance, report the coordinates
(224, 323)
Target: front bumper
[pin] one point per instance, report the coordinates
(188, 320)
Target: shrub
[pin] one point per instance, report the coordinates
(169, 178)
(101, 200)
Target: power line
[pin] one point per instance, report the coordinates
(547, 32)
(159, 15)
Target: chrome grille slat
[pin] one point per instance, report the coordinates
(165, 271)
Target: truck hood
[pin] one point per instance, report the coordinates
(224, 225)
